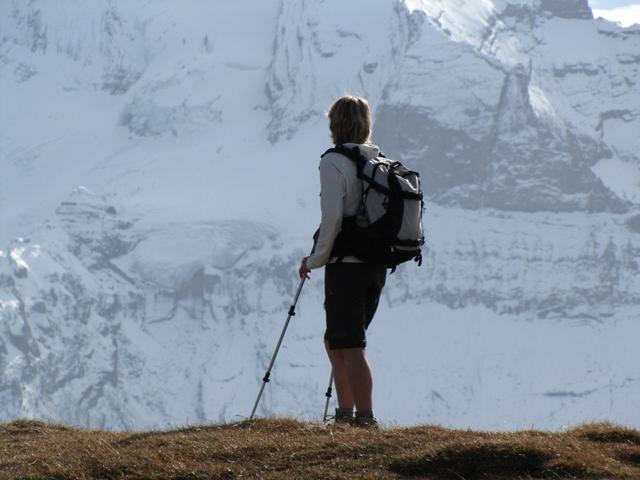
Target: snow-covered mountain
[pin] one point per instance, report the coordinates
(158, 187)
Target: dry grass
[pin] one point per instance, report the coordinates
(282, 448)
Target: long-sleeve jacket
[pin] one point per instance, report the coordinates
(340, 196)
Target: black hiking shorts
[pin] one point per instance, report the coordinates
(352, 292)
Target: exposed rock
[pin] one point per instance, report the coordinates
(634, 223)
(568, 8)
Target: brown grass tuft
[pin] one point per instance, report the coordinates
(608, 433)
(630, 456)
(474, 460)
(290, 449)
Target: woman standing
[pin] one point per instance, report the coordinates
(352, 287)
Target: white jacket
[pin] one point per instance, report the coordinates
(340, 196)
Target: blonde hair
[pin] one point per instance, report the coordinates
(350, 120)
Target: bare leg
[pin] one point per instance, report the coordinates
(359, 378)
(341, 379)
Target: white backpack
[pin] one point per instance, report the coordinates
(388, 229)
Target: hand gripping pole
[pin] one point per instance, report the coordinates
(265, 379)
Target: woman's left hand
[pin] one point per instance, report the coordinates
(303, 271)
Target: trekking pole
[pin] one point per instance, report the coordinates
(328, 395)
(265, 379)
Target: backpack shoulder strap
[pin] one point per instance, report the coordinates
(352, 154)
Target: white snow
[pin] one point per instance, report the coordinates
(464, 21)
(170, 255)
(499, 372)
(15, 254)
(621, 176)
(626, 15)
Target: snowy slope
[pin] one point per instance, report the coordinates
(158, 185)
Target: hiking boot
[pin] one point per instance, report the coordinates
(366, 420)
(343, 416)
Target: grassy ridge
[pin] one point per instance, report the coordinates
(283, 448)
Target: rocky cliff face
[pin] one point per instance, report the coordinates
(483, 117)
(568, 8)
(153, 294)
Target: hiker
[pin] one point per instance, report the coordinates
(352, 287)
